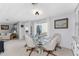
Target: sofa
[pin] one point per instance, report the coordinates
(14, 48)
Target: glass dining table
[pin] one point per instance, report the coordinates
(39, 42)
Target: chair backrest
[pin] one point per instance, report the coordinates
(29, 41)
(57, 36)
(54, 41)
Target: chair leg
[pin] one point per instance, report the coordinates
(49, 52)
(46, 51)
(31, 50)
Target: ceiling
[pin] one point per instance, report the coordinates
(13, 12)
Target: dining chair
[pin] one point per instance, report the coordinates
(51, 46)
(29, 44)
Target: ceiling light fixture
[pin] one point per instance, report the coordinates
(36, 11)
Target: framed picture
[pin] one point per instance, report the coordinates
(4, 27)
(61, 23)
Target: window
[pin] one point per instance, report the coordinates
(41, 28)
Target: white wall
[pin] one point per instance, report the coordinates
(22, 31)
(66, 33)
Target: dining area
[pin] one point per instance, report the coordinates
(42, 44)
(50, 47)
(29, 48)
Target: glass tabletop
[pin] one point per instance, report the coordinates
(39, 42)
